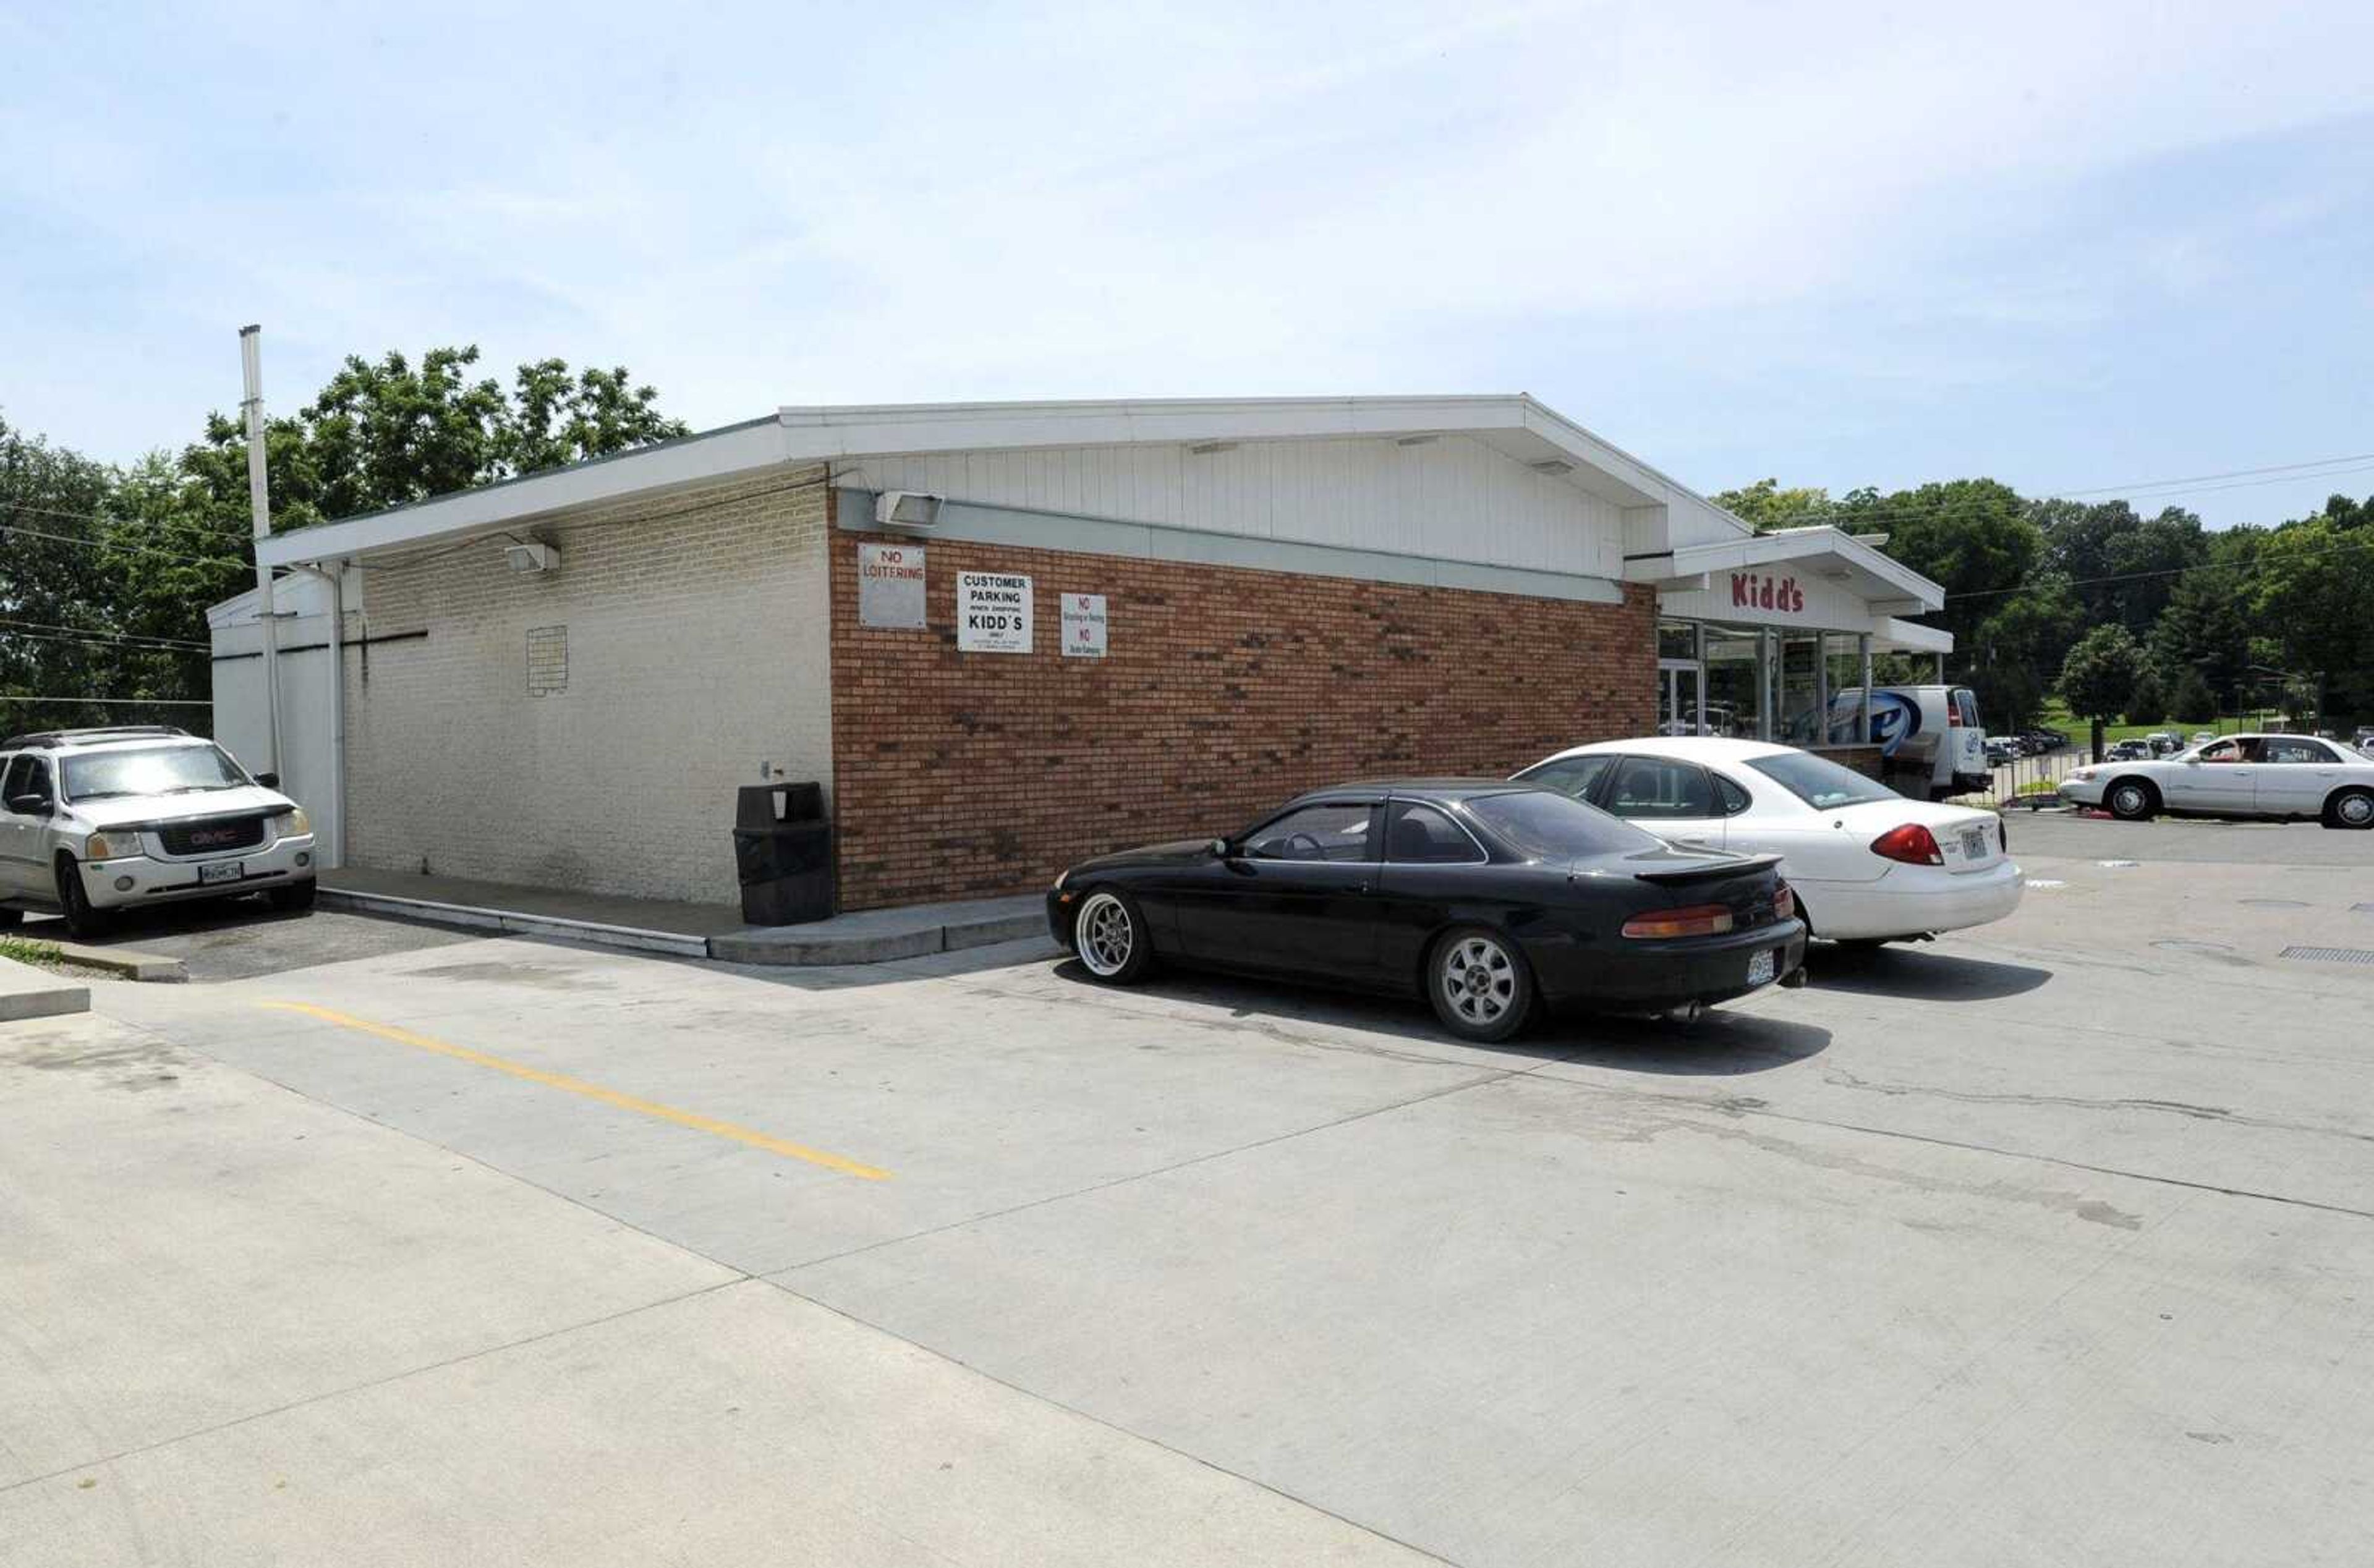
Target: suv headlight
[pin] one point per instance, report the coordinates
(292, 824)
(112, 846)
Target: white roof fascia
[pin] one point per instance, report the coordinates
(1912, 637)
(718, 454)
(1516, 425)
(1895, 579)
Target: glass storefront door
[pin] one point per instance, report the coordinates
(1681, 697)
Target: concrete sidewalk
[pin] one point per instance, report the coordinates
(683, 929)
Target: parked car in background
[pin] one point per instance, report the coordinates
(1486, 898)
(2000, 752)
(2203, 737)
(2285, 777)
(2163, 742)
(2128, 750)
(1868, 865)
(93, 821)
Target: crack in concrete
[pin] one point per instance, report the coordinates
(1841, 1078)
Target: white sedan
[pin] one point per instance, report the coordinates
(2264, 776)
(1868, 865)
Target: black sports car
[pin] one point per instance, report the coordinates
(1485, 895)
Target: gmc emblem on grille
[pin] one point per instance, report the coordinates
(203, 837)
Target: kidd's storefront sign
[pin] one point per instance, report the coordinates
(1761, 590)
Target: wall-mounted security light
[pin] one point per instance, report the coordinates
(908, 508)
(532, 555)
(1552, 466)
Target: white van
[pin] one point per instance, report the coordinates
(1929, 735)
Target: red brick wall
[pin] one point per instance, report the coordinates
(1224, 691)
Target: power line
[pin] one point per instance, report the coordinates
(112, 701)
(2230, 474)
(104, 631)
(9, 634)
(2354, 543)
(129, 549)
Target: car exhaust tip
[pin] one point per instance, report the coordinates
(1687, 1014)
(1794, 979)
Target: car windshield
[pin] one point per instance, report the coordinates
(1543, 826)
(1819, 782)
(151, 770)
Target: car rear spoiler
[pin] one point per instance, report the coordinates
(1741, 865)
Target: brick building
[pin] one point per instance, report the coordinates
(1007, 636)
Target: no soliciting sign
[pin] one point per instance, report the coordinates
(992, 612)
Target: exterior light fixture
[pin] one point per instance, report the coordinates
(532, 555)
(908, 508)
(1205, 449)
(1552, 466)
(1425, 441)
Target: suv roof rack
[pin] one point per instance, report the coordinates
(104, 733)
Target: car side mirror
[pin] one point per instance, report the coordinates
(1219, 848)
(30, 805)
(269, 780)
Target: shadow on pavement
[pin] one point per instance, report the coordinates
(1719, 1044)
(1908, 973)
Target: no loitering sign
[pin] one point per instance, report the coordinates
(889, 585)
(992, 612)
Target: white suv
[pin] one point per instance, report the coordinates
(97, 820)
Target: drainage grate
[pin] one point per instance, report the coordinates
(2332, 954)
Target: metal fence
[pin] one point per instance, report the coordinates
(2029, 780)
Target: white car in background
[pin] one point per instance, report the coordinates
(2285, 777)
(1868, 865)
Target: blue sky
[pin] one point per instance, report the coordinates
(2070, 246)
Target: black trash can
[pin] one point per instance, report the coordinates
(783, 854)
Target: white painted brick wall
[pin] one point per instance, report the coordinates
(698, 645)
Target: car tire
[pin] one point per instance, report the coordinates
(82, 918)
(295, 898)
(1477, 981)
(1109, 936)
(2351, 809)
(2131, 799)
(11, 918)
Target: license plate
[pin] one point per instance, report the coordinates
(1759, 968)
(1974, 843)
(221, 871)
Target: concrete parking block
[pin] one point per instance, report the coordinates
(28, 992)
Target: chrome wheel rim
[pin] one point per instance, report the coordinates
(1479, 982)
(2357, 810)
(2127, 800)
(1108, 936)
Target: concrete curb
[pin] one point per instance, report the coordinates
(790, 946)
(28, 992)
(781, 946)
(123, 962)
(633, 939)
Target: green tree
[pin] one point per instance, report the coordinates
(2100, 674)
(1764, 506)
(138, 555)
(387, 433)
(2191, 701)
(2020, 647)
(1971, 536)
(54, 637)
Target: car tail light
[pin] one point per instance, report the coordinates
(1912, 844)
(1696, 919)
(1952, 714)
(1784, 903)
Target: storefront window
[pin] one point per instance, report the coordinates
(1735, 681)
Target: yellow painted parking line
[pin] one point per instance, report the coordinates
(561, 1080)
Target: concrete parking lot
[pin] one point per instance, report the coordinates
(2050, 1243)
